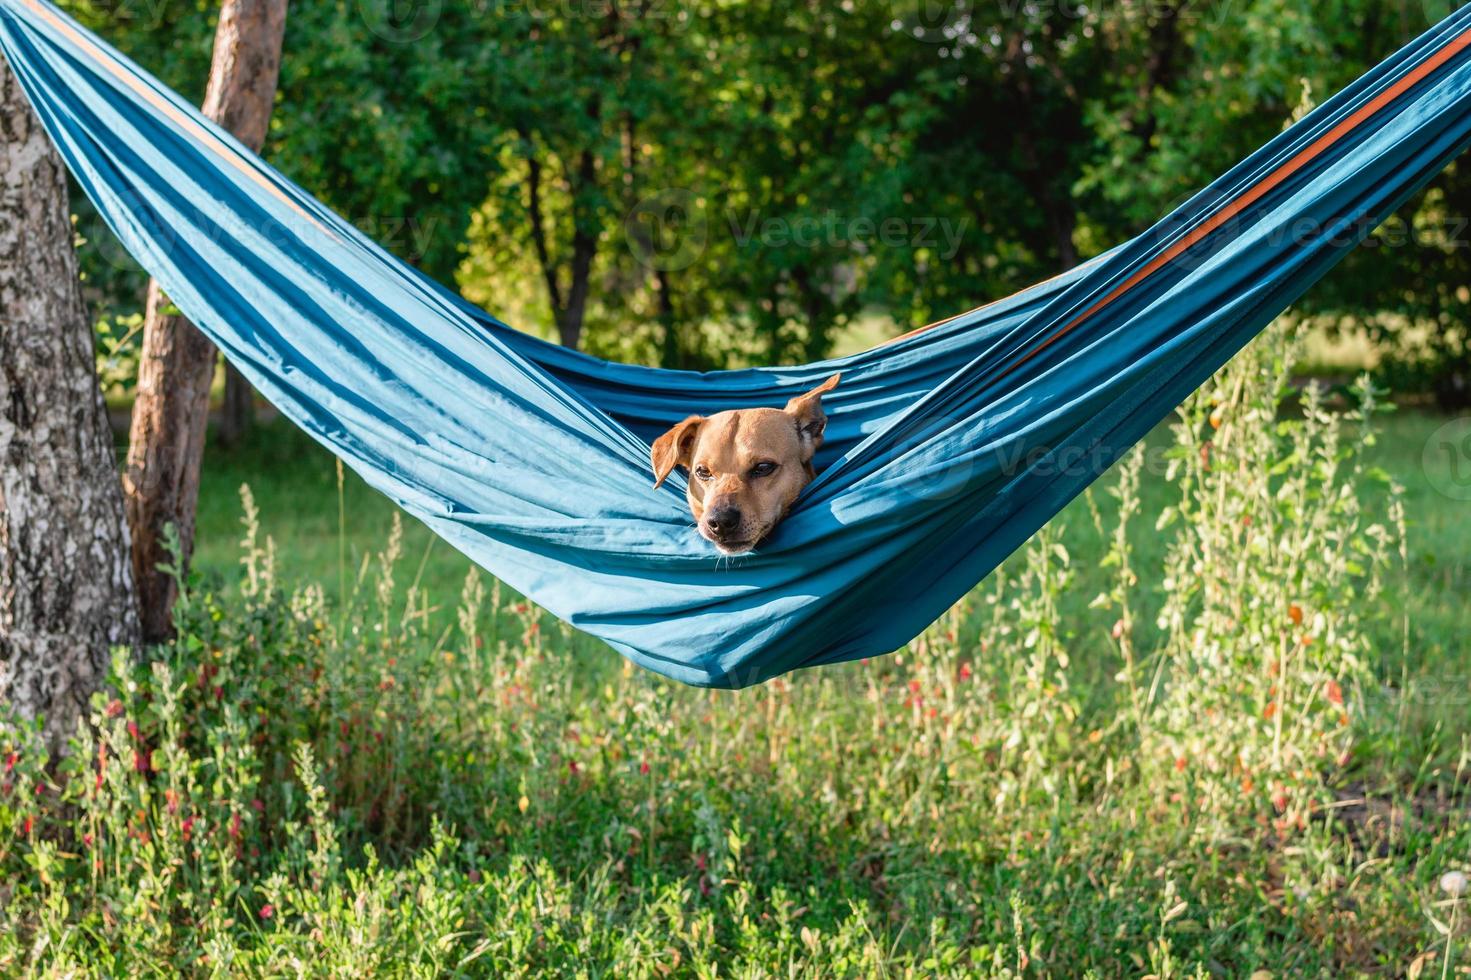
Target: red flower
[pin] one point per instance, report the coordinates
(258, 805)
(1181, 763)
(30, 822)
(643, 768)
(187, 826)
(572, 767)
(87, 839)
(143, 760)
(133, 730)
(114, 708)
(700, 861)
(914, 687)
(1334, 693)
(965, 672)
(266, 911)
(235, 825)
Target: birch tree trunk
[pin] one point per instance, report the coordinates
(177, 367)
(66, 587)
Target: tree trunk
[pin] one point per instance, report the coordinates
(170, 415)
(238, 412)
(66, 588)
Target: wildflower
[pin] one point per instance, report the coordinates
(114, 708)
(572, 766)
(10, 762)
(914, 687)
(1453, 883)
(643, 768)
(1118, 629)
(133, 730)
(1181, 763)
(1294, 613)
(187, 827)
(30, 822)
(1270, 712)
(523, 804)
(1279, 798)
(258, 806)
(143, 760)
(700, 861)
(235, 826)
(965, 672)
(474, 876)
(267, 911)
(1333, 693)
(87, 839)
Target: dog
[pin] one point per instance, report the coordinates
(746, 467)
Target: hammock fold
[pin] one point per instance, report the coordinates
(946, 449)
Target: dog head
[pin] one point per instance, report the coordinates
(746, 468)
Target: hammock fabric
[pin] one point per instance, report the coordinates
(947, 449)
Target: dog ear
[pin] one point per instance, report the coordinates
(811, 419)
(675, 448)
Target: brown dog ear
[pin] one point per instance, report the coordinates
(675, 448)
(811, 419)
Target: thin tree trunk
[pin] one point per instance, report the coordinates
(171, 412)
(238, 412)
(66, 587)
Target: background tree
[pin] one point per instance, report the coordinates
(630, 176)
(66, 593)
(177, 367)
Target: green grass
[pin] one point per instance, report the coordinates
(318, 782)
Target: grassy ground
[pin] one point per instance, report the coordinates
(1143, 748)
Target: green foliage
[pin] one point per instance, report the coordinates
(375, 785)
(716, 184)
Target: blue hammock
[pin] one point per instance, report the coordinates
(946, 450)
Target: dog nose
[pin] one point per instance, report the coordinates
(723, 521)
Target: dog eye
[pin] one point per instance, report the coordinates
(763, 469)
(702, 474)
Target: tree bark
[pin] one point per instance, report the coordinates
(177, 367)
(66, 587)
